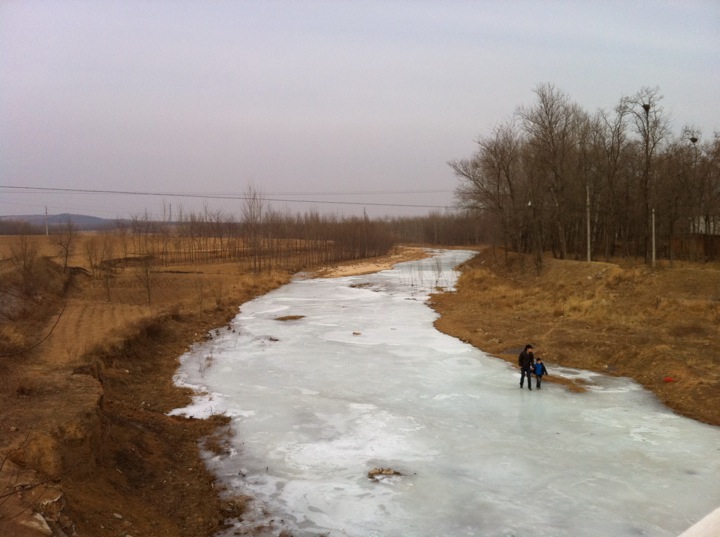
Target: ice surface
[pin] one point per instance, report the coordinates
(363, 380)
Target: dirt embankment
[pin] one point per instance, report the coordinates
(658, 326)
(87, 447)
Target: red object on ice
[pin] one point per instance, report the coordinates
(669, 379)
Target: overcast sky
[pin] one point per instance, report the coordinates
(360, 102)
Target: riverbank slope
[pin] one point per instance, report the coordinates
(657, 326)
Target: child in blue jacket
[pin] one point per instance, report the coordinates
(539, 370)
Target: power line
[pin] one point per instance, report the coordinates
(32, 189)
(371, 193)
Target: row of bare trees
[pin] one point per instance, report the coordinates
(555, 177)
(261, 240)
(274, 241)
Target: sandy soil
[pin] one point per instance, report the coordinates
(87, 443)
(401, 254)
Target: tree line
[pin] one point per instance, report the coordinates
(258, 238)
(557, 178)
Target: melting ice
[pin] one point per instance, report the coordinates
(356, 377)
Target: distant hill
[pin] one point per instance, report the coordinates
(81, 221)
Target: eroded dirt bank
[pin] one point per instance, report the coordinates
(88, 448)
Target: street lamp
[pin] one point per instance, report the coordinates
(696, 220)
(646, 107)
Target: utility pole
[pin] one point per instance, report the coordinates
(587, 217)
(652, 262)
(47, 229)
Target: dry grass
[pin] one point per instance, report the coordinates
(620, 318)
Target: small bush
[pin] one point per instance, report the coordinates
(150, 328)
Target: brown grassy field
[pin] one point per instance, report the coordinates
(86, 439)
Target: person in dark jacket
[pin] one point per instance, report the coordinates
(526, 361)
(540, 370)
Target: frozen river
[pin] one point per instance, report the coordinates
(326, 379)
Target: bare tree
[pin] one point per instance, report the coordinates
(145, 274)
(252, 212)
(107, 269)
(99, 251)
(24, 257)
(492, 179)
(64, 239)
(648, 120)
(553, 128)
(678, 189)
(706, 181)
(121, 227)
(91, 254)
(609, 139)
(710, 168)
